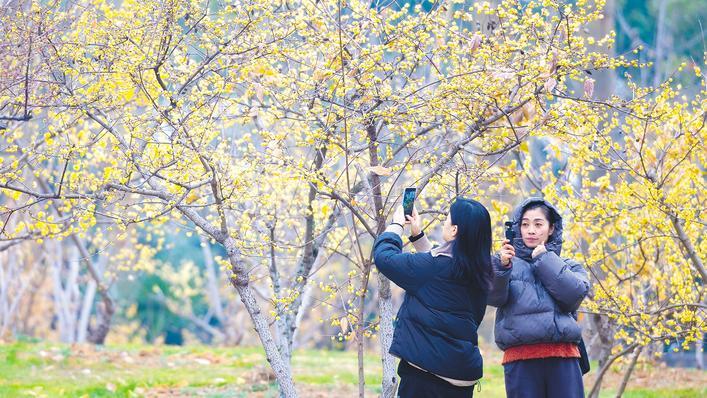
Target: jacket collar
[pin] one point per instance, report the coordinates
(443, 250)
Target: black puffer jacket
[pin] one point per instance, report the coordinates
(536, 297)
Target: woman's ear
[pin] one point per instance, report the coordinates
(454, 231)
(550, 232)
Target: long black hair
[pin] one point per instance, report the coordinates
(471, 249)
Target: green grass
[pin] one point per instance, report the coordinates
(40, 369)
(659, 393)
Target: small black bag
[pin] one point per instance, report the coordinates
(584, 358)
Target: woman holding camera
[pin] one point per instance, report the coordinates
(537, 293)
(445, 299)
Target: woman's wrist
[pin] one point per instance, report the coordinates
(396, 228)
(414, 237)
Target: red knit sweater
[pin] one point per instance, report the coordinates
(541, 350)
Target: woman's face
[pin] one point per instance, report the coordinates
(535, 228)
(449, 231)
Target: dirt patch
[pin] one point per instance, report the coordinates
(303, 390)
(260, 374)
(651, 376)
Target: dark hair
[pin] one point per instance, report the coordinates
(547, 212)
(471, 249)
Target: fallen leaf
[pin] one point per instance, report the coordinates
(202, 361)
(550, 84)
(344, 323)
(588, 87)
(475, 42)
(259, 92)
(380, 170)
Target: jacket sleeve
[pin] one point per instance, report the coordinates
(422, 245)
(500, 284)
(566, 281)
(409, 271)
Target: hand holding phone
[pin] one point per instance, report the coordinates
(409, 200)
(414, 220)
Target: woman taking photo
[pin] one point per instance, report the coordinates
(445, 299)
(537, 293)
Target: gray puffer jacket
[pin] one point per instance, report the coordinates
(536, 298)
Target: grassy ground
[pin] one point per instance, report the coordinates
(54, 370)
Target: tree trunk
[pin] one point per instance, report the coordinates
(390, 378)
(605, 79)
(600, 345)
(360, 324)
(212, 282)
(594, 392)
(627, 375)
(13, 288)
(660, 37)
(699, 351)
(62, 305)
(281, 325)
(312, 246)
(240, 280)
(85, 314)
(106, 309)
(689, 249)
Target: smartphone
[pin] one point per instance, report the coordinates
(409, 200)
(510, 233)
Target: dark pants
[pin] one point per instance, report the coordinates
(420, 384)
(544, 378)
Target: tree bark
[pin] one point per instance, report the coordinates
(689, 248)
(605, 79)
(212, 283)
(699, 351)
(627, 375)
(659, 43)
(360, 325)
(594, 392)
(600, 345)
(240, 280)
(11, 279)
(85, 314)
(390, 379)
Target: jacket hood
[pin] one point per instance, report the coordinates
(553, 244)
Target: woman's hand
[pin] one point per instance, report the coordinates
(507, 252)
(399, 216)
(539, 249)
(414, 221)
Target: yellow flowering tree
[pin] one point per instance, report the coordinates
(637, 205)
(398, 97)
(287, 131)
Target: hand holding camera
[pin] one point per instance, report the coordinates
(507, 250)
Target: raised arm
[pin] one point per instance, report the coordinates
(566, 281)
(409, 271)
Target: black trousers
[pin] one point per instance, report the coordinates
(416, 383)
(544, 378)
